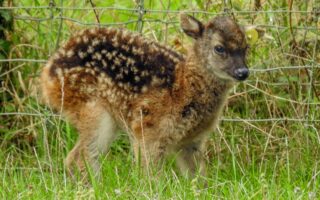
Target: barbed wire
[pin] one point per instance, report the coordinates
(144, 20)
(141, 12)
(152, 11)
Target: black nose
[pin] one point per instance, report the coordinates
(241, 73)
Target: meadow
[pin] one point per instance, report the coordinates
(267, 145)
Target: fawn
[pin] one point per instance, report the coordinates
(105, 79)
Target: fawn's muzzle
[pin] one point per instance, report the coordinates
(242, 73)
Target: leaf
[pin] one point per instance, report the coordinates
(4, 45)
(200, 4)
(252, 35)
(6, 15)
(37, 3)
(2, 57)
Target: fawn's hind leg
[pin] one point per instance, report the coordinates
(96, 132)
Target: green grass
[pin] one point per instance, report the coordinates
(277, 159)
(36, 178)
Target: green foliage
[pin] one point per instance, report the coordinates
(6, 24)
(276, 159)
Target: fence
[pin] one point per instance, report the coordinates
(285, 64)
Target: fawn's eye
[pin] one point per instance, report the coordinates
(219, 49)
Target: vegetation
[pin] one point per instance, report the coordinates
(267, 146)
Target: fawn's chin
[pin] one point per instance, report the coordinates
(232, 79)
(224, 76)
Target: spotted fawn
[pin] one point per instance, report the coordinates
(105, 79)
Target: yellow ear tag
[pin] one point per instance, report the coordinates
(252, 35)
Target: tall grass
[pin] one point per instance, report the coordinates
(276, 158)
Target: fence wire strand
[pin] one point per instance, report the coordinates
(139, 12)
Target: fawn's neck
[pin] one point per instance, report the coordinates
(194, 78)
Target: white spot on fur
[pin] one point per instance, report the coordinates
(78, 40)
(125, 47)
(93, 31)
(97, 56)
(90, 49)
(95, 42)
(137, 78)
(144, 89)
(62, 51)
(131, 40)
(104, 63)
(117, 61)
(109, 56)
(130, 61)
(70, 53)
(85, 39)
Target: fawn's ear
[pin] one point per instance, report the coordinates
(191, 26)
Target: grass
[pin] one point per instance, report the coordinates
(274, 159)
(121, 179)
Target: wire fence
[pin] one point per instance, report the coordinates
(306, 68)
(146, 11)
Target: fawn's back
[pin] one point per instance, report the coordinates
(111, 64)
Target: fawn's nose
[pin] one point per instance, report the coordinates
(241, 73)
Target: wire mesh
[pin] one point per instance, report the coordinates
(306, 65)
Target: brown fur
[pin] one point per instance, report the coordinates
(104, 79)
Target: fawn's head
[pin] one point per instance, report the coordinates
(220, 45)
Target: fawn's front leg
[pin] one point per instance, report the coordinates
(150, 141)
(191, 158)
(149, 153)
